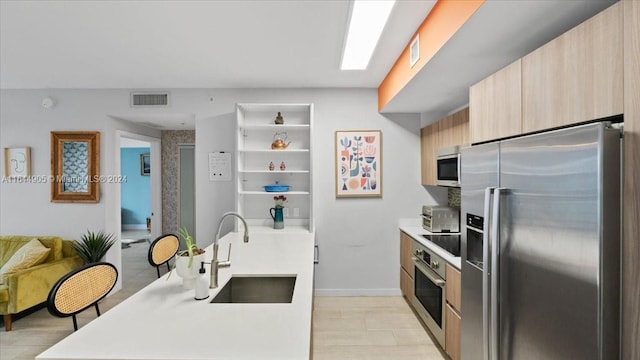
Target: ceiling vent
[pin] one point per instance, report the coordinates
(150, 99)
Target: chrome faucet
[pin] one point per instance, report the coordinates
(215, 263)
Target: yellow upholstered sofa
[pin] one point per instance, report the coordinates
(29, 287)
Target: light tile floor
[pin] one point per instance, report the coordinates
(369, 328)
(349, 328)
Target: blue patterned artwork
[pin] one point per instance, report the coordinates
(358, 157)
(75, 166)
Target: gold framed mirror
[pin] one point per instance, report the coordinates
(75, 166)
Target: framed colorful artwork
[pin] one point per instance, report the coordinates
(358, 156)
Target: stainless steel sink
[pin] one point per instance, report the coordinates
(257, 289)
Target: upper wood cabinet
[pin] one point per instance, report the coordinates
(454, 129)
(449, 131)
(428, 147)
(576, 77)
(495, 105)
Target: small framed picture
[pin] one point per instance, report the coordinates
(145, 164)
(358, 159)
(17, 162)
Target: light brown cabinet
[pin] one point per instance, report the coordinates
(452, 335)
(454, 129)
(495, 105)
(453, 310)
(449, 131)
(576, 77)
(406, 265)
(454, 288)
(428, 148)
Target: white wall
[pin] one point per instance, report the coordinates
(25, 208)
(358, 238)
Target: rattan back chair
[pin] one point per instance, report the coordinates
(80, 289)
(162, 250)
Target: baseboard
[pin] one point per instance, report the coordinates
(134, 226)
(357, 292)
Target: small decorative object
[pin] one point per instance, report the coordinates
(17, 162)
(185, 260)
(283, 167)
(271, 166)
(92, 246)
(279, 119)
(277, 187)
(277, 213)
(358, 157)
(279, 139)
(145, 164)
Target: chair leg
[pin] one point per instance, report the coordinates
(97, 309)
(158, 271)
(168, 268)
(7, 322)
(75, 322)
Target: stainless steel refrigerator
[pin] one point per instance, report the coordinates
(541, 246)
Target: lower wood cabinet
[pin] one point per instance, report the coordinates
(406, 265)
(452, 334)
(453, 311)
(406, 284)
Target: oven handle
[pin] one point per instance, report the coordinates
(427, 272)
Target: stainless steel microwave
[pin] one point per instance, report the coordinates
(448, 166)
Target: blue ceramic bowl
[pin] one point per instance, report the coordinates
(276, 188)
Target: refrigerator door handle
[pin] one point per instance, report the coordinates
(485, 271)
(495, 275)
(459, 169)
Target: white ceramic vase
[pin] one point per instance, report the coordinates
(188, 274)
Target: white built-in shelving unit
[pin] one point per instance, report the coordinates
(256, 130)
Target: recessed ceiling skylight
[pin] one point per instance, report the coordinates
(368, 18)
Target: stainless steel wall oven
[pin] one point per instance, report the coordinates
(429, 289)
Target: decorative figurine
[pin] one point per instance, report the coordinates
(279, 119)
(283, 167)
(271, 166)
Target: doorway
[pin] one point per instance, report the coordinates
(132, 262)
(135, 192)
(186, 186)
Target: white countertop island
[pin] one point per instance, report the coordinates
(163, 321)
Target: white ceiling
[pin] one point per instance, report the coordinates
(259, 44)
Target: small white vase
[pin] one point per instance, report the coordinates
(188, 274)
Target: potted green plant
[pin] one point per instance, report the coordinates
(188, 260)
(93, 246)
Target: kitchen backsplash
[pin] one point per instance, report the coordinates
(454, 197)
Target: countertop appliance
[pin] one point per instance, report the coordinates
(429, 289)
(439, 219)
(448, 166)
(541, 246)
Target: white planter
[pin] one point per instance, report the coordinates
(188, 274)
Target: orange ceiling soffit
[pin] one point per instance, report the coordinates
(444, 20)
